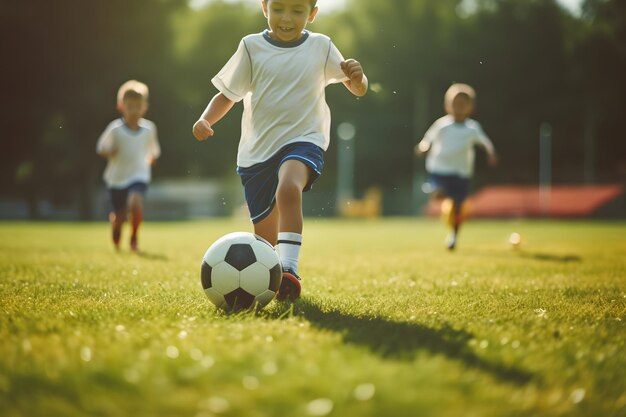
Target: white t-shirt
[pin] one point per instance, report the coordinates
(452, 146)
(283, 91)
(135, 150)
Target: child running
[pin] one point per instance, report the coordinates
(450, 143)
(281, 75)
(131, 146)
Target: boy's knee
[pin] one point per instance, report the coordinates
(118, 217)
(288, 192)
(135, 201)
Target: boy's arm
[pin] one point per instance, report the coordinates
(217, 108)
(155, 147)
(107, 153)
(422, 148)
(492, 156)
(105, 146)
(485, 142)
(357, 83)
(424, 145)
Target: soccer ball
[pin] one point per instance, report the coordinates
(515, 240)
(241, 271)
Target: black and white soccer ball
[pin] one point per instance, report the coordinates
(241, 271)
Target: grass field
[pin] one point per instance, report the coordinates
(390, 324)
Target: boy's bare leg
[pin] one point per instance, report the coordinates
(135, 208)
(117, 219)
(457, 219)
(268, 227)
(292, 178)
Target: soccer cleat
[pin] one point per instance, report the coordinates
(451, 241)
(290, 287)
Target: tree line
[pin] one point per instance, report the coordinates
(531, 62)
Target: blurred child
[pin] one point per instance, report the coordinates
(131, 146)
(281, 74)
(450, 143)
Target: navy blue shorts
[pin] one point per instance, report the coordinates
(450, 186)
(260, 181)
(119, 196)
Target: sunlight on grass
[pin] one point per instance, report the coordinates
(389, 323)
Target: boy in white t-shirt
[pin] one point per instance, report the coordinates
(281, 75)
(131, 146)
(450, 143)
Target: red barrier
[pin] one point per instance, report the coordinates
(530, 201)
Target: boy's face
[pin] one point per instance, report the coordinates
(462, 107)
(133, 109)
(288, 18)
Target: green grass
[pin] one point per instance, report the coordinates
(390, 324)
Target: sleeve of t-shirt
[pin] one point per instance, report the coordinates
(235, 78)
(482, 139)
(431, 133)
(333, 72)
(106, 142)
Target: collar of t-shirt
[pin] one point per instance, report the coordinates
(303, 38)
(130, 129)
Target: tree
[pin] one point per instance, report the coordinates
(601, 64)
(66, 63)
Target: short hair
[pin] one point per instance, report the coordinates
(132, 89)
(456, 90)
(311, 2)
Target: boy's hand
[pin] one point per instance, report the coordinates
(109, 153)
(202, 130)
(493, 159)
(421, 148)
(353, 70)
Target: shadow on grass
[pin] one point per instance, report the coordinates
(538, 256)
(402, 340)
(152, 256)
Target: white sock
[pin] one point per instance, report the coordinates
(288, 249)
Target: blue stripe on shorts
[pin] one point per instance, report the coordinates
(260, 181)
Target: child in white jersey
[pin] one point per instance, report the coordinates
(450, 143)
(281, 74)
(131, 146)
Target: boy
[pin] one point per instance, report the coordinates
(450, 145)
(281, 75)
(131, 146)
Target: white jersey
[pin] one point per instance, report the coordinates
(283, 91)
(135, 150)
(452, 146)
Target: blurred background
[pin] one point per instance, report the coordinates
(556, 68)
